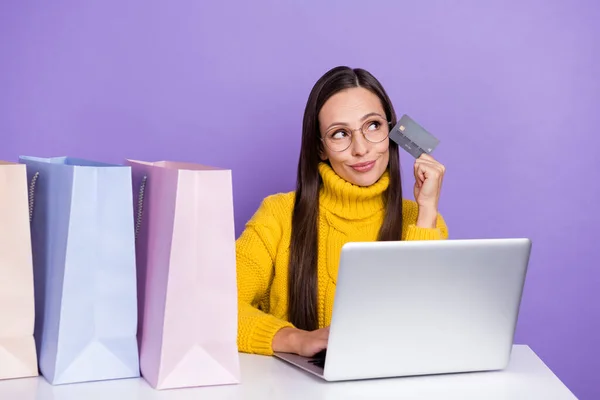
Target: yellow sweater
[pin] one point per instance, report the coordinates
(346, 213)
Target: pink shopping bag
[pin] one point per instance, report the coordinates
(18, 356)
(185, 250)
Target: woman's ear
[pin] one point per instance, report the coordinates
(322, 155)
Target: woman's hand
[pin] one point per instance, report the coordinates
(297, 341)
(429, 175)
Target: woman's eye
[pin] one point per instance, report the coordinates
(338, 135)
(373, 126)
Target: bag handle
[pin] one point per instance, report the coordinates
(138, 221)
(31, 194)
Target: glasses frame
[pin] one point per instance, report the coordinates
(389, 124)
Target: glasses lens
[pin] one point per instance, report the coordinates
(375, 130)
(338, 139)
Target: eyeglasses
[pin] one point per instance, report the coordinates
(374, 130)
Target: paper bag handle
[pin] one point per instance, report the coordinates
(138, 221)
(31, 194)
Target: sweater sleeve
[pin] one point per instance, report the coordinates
(255, 254)
(410, 229)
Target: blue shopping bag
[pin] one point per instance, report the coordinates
(82, 232)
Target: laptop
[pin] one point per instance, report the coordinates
(409, 308)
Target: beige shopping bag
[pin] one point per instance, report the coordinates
(18, 357)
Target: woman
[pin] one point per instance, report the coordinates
(348, 189)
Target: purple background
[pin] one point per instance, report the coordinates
(510, 88)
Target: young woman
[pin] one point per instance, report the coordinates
(348, 189)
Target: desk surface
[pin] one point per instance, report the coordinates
(527, 377)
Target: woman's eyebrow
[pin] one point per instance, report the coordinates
(364, 117)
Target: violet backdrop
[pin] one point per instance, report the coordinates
(511, 88)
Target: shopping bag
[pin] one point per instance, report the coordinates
(18, 357)
(84, 268)
(185, 250)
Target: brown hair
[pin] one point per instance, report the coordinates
(302, 278)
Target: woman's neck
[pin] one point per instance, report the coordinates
(351, 201)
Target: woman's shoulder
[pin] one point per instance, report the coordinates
(278, 203)
(276, 207)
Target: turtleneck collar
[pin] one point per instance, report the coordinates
(350, 201)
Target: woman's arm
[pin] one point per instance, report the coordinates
(417, 224)
(255, 254)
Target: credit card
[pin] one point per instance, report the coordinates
(412, 137)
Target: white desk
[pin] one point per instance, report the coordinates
(527, 377)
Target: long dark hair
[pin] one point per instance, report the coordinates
(302, 278)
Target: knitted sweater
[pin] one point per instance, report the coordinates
(346, 213)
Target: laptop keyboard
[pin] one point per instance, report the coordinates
(319, 359)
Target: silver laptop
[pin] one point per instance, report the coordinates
(410, 308)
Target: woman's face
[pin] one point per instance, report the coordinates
(340, 122)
